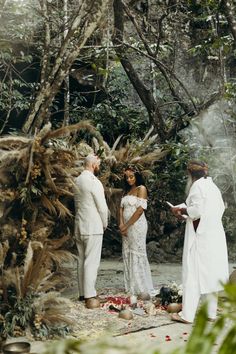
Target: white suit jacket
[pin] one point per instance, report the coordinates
(91, 211)
(208, 243)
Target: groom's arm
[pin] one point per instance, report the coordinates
(100, 201)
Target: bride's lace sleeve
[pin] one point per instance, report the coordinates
(142, 202)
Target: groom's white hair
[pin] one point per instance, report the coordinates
(90, 160)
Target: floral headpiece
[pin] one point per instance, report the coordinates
(131, 167)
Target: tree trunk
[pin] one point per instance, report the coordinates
(84, 24)
(144, 93)
(229, 10)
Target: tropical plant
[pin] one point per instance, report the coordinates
(115, 114)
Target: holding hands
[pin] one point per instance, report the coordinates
(123, 229)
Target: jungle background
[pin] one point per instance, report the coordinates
(145, 82)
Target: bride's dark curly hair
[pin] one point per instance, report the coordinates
(138, 177)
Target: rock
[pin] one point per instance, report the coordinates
(144, 296)
(155, 252)
(232, 277)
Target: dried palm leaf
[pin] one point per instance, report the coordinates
(45, 130)
(149, 158)
(57, 243)
(65, 131)
(113, 196)
(41, 234)
(62, 209)
(122, 153)
(54, 281)
(96, 145)
(28, 263)
(13, 142)
(60, 257)
(4, 247)
(52, 299)
(13, 259)
(46, 170)
(9, 157)
(82, 149)
(105, 177)
(56, 318)
(62, 191)
(29, 267)
(48, 204)
(40, 267)
(10, 277)
(115, 144)
(148, 133)
(18, 282)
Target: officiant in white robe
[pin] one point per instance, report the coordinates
(205, 259)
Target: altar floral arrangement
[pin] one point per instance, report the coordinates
(170, 294)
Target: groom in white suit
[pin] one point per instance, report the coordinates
(91, 219)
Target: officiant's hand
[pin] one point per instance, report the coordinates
(178, 212)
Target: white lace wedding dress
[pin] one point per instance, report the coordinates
(137, 274)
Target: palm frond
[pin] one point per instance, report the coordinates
(41, 234)
(48, 204)
(150, 158)
(53, 281)
(95, 144)
(116, 144)
(28, 265)
(56, 318)
(53, 308)
(60, 257)
(65, 131)
(44, 131)
(13, 142)
(148, 133)
(57, 243)
(4, 247)
(63, 211)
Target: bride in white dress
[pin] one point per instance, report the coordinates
(133, 228)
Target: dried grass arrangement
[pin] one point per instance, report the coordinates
(36, 217)
(142, 154)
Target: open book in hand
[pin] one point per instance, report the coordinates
(178, 206)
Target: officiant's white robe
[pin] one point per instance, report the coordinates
(205, 259)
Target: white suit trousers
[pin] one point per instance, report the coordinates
(89, 249)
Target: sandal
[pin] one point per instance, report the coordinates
(176, 317)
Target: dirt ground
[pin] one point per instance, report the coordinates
(153, 329)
